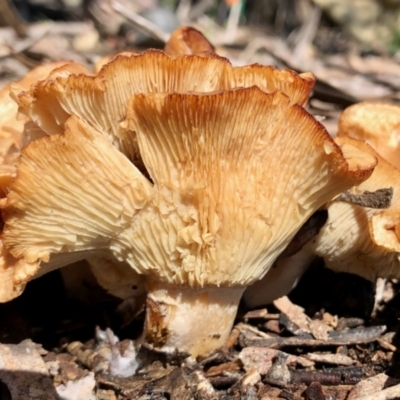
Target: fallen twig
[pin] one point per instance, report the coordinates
(336, 338)
(141, 23)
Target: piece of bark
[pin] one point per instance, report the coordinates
(336, 338)
(201, 387)
(252, 331)
(314, 392)
(381, 198)
(291, 326)
(334, 359)
(261, 314)
(273, 326)
(390, 393)
(221, 368)
(344, 323)
(330, 320)
(251, 379)
(224, 382)
(232, 339)
(105, 395)
(319, 329)
(24, 372)
(368, 386)
(133, 386)
(329, 376)
(261, 359)
(293, 312)
(279, 372)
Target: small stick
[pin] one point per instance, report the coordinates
(141, 23)
(10, 16)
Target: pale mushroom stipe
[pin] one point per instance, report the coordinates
(189, 175)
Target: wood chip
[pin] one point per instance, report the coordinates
(273, 326)
(261, 359)
(344, 323)
(381, 198)
(336, 338)
(314, 392)
(391, 393)
(368, 386)
(293, 312)
(319, 329)
(251, 378)
(221, 368)
(329, 376)
(335, 359)
(329, 319)
(262, 314)
(24, 372)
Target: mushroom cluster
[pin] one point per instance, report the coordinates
(179, 173)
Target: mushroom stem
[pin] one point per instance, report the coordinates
(196, 321)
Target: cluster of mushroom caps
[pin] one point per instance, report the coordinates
(178, 174)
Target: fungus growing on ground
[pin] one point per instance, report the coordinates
(376, 123)
(11, 126)
(360, 239)
(222, 183)
(363, 238)
(187, 40)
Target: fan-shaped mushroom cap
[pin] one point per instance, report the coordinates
(234, 174)
(222, 166)
(13, 274)
(102, 100)
(11, 125)
(227, 176)
(360, 240)
(187, 40)
(107, 59)
(376, 123)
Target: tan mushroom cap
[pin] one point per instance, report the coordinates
(225, 182)
(68, 212)
(219, 212)
(12, 125)
(107, 59)
(13, 275)
(361, 240)
(101, 100)
(376, 123)
(187, 40)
